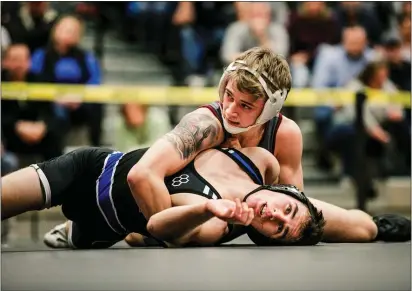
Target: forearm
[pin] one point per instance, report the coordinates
(345, 226)
(168, 155)
(178, 221)
(150, 193)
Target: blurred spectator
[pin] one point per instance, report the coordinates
(384, 124)
(280, 12)
(351, 13)
(334, 67)
(32, 24)
(405, 36)
(5, 39)
(140, 126)
(399, 68)
(148, 22)
(9, 161)
(257, 30)
(312, 25)
(64, 62)
(384, 12)
(202, 27)
(28, 127)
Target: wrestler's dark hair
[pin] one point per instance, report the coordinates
(311, 231)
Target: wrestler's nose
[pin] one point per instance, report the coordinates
(231, 111)
(277, 215)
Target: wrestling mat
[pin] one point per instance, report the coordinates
(375, 266)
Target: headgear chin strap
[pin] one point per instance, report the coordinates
(260, 239)
(272, 106)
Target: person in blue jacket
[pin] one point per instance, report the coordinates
(64, 62)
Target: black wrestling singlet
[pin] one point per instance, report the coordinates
(118, 205)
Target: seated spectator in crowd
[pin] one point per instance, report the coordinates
(148, 22)
(405, 35)
(351, 13)
(28, 127)
(312, 25)
(257, 30)
(399, 68)
(5, 39)
(9, 161)
(64, 62)
(280, 12)
(202, 27)
(385, 125)
(140, 126)
(32, 24)
(334, 67)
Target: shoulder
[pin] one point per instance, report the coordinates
(288, 137)
(262, 158)
(288, 128)
(201, 121)
(202, 112)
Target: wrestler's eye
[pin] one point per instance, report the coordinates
(280, 227)
(244, 106)
(288, 209)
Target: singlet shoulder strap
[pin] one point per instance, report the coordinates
(244, 163)
(268, 141)
(217, 112)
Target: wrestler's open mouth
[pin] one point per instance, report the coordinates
(263, 209)
(232, 123)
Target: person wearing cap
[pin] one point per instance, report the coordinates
(251, 94)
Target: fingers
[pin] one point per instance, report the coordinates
(242, 213)
(251, 215)
(239, 208)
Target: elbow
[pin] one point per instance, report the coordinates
(366, 233)
(137, 175)
(367, 229)
(153, 228)
(370, 231)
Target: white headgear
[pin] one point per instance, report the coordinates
(272, 106)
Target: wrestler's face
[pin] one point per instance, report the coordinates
(240, 109)
(277, 216)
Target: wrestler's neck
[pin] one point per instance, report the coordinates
(251, 137)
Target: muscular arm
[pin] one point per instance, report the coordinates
(196, 132)
(346, 226)
(289, 147)
(180, 225)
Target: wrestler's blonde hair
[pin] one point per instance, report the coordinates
(262, 59)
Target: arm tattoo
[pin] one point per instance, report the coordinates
(192, 130)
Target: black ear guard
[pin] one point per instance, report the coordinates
(294, 192)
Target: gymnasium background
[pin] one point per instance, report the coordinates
(140, 66)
